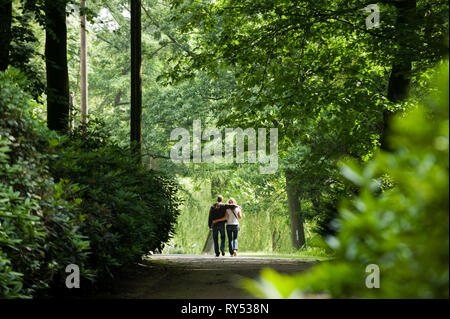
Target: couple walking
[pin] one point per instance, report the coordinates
(220, 213)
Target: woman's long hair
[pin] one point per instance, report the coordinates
(232, 201)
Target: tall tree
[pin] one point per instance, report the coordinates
(5, 32)
(58, 99)
(294, 206)
(136, 78)
(83, 63)
(400, 77)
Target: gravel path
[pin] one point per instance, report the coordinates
(199, 276)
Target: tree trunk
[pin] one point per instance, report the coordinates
(72, 103)
(83, 64)
(399, 80)
(5, 32)
(215, 187)
(275, 239)
(117, 99)
(293, 195)
(136, 78)
(56, 65)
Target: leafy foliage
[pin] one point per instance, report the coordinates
(25, 47)
(38, 227)
(78, 199)
(126, 209)
(309, 68)
(403, 229)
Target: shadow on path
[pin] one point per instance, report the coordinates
(199, 276)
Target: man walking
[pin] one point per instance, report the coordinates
(215, 212)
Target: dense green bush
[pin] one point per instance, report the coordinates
(38, 227)
(77, 199)
(403, 228)
(127, 209)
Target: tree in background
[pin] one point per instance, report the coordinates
(56, 65)
(136, 78)
(83, 64)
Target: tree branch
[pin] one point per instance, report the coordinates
(174, 41)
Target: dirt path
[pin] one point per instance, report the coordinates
(199, 276)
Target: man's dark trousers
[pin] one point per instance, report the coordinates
(216, 229)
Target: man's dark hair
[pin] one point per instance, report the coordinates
(220, 198)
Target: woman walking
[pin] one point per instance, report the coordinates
(232, 217)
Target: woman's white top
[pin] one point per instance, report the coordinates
(231, 219)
